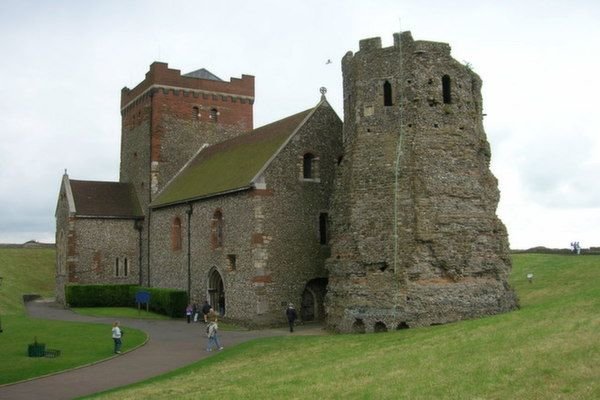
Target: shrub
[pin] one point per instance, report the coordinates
(99, 295)
(170, 302)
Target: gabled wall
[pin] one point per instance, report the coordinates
(273, 232)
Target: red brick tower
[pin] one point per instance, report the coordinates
(168, 117)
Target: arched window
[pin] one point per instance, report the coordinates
(446, 91)
(214, 115)
(387, 94)
(307, 166)
(195, 113)
(217, 229)
(176, 234)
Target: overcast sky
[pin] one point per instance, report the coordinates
(64, 64)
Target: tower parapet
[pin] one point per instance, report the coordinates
(415, 236)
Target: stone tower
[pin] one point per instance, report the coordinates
(415, 237)
(168, 116)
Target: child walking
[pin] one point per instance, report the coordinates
(116, 335)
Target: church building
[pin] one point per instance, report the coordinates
(384, 221)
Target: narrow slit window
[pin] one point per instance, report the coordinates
(387, 94)
(446, 91)
(217, 230)
(117, 266)
(323, 228)
(125, 267)
(307, 167)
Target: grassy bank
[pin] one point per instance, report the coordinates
(32, 271)
(549, 349)
(24, 271)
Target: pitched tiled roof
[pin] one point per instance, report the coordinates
(230, 165)
(105, 199)
(203, 73)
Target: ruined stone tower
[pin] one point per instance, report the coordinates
(415, 237)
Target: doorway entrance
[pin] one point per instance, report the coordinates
(216, 291)
(313, 297)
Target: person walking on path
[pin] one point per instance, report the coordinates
(291, 316)
(195, 312)
(206, 309)
(212, 331)
(188, 313)
(117, 333)
(211, 316)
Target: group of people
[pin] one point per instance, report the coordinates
(192, 312)
(210, 319)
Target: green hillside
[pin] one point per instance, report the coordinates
(549, 349)
(31, 270)
(24, 270)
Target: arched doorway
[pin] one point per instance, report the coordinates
(312, 308)
(216, 291)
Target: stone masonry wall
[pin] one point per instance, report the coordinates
(273, 232)
(291, 205)
(416, 240)
(65, 257)
(98, 244)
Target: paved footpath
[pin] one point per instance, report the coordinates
(171, 345)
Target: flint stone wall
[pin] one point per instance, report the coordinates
(416, 240)
(273, 232)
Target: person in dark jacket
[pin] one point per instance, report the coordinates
(206, 309)
(291, 316)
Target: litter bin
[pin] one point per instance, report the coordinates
(36, 350)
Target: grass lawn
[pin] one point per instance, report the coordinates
(549, 349)
(79, 343)
(32, 271)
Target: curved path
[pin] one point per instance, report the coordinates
(171, 345)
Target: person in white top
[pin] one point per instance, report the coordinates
(116, 335)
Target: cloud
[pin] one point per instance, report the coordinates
(67, 61)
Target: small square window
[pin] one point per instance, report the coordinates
(231, 259)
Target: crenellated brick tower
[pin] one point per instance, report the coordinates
(168, 116)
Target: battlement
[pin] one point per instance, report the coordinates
(369, 44)
(161, 76)
(404, 40)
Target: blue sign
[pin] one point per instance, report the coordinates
(142, 297)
